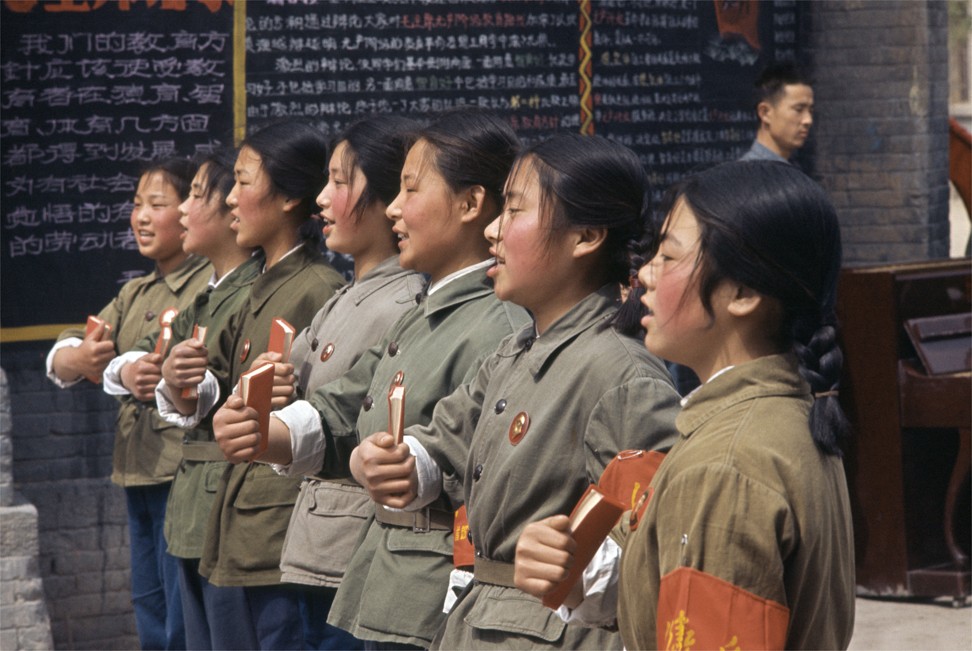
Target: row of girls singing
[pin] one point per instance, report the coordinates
(489, 282)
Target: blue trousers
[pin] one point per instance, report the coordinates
(205, 606)
(268, 617)
(155, 583)
(315, 604)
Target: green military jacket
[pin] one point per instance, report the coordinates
(536, 426)
(194, 485)
(328, 515)
(147, 448)
(246, 527)
(353, 320)
(395, 584)
(746, 496)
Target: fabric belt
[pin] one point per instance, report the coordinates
(344, 481)
(202, 451)
(421, 521)
(494, 572)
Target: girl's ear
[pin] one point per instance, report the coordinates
(745, 301)
(587, 240)
(290, 204)
(472, 201)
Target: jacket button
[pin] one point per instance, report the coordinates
(246, 350)
(500, 406)
(367, 402)
(477, 472)
(314, 344)
(393, 348)
(149, 315)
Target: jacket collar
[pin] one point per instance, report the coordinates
(273, 278)
(773, 375)
(181, 275)
(463, 289)
(238, 279)
(595, 310)
(388, 271)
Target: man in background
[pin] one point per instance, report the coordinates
(784, 105)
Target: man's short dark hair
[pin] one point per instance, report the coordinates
(769, 85)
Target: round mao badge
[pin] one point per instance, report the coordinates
(519, 427)
(326, 352)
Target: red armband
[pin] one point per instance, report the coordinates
(463, 552)
(700, 611)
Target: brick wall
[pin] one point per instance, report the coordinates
(881, 92)
(62, 441)
(24, 622)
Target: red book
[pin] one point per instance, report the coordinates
(162, 343)
(198, 332)
(92, 325)
(396, 412)
(281, 338)
(628, 479)
(590, 523)
(256, 389)
(165, 335)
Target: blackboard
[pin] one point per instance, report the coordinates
(672, 79)
(92, 91)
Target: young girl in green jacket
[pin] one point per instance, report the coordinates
(279, 172)
(746, 539)
(146, 449)
(548, 410)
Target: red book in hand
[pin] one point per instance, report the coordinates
(92, 325)
(198, 332)
(256, 390)
(590, 523)
(396, 412)
(162, 343)
(281, 338)
(628, 479)
(165, 335)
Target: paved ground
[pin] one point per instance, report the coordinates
(899, 624)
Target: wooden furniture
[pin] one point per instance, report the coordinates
(908, 458)
(960, 162)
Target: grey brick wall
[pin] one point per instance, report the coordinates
(24, 621)
(6, 444)
(62, 441)
(881, 92)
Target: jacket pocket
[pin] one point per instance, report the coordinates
(507, 610)
(263, 488)
(401, 539)
(325, 529)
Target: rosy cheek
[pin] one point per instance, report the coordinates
(340, 206)
(668, 296)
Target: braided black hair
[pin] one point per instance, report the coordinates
(769, 227)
